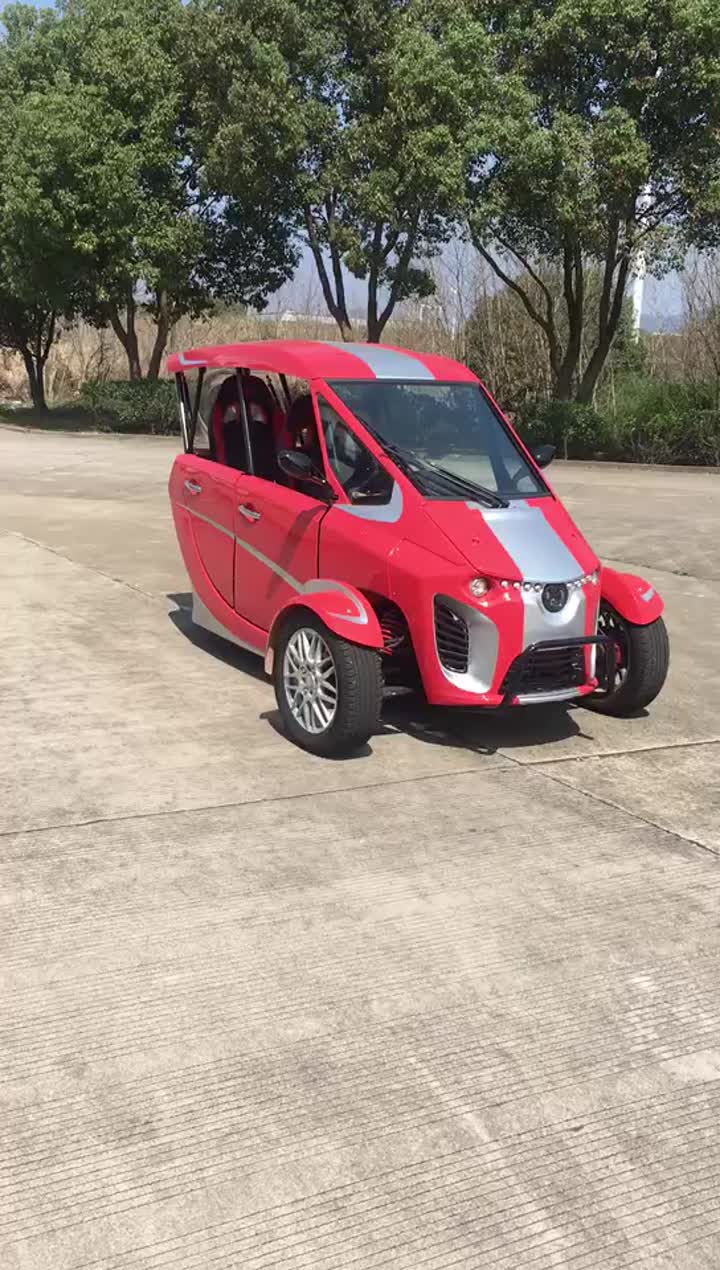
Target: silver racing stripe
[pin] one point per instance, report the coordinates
(530, 540)
(310, 587)
(386, 363)
(388, 513)
(323, 584)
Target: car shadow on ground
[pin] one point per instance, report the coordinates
(221, 649)
(478, 731)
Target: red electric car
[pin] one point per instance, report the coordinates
(360, 515)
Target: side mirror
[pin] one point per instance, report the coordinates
(543, 454)
(299, 467)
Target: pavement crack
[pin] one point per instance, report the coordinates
(618, 806)
(91, 568)
(626, 753)
(244, 802)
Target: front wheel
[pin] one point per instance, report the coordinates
(642, 656)
(328, 691)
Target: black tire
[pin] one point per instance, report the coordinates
(646, 657)
(359, 691)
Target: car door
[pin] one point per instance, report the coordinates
(277, 534)
(204, 496)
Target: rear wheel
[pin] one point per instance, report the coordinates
(328, 691)
(642, 656)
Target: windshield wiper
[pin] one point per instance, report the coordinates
(407, 460)
(495, 500)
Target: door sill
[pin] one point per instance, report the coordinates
(202, 616)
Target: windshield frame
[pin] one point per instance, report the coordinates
(544, 490)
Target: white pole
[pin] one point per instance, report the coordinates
(640, 270)
(637, 294)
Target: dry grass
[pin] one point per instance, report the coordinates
(499, 342)
(83, 353)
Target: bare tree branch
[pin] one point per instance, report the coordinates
(316, 249)
(514, 286)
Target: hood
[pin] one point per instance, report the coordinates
(533, 541)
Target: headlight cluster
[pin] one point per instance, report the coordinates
(590, 579)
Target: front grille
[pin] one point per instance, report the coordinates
(546, 670)
(452, 637)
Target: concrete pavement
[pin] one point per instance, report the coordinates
(453, 1003)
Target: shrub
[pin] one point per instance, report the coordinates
(121, 405)
(577, 431)
(651, 421)
(644, 420)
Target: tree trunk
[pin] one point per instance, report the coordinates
(566, 374)
(335, 300)
(36, 380)
(162, 335)
(611, 312)
(127, 334)
(373, 323)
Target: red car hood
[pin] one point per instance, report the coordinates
(533, 540)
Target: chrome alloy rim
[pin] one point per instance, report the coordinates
(310, 680)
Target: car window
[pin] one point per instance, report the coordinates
(453, 426)
(360, 474)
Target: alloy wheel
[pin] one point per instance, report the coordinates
(310, 680)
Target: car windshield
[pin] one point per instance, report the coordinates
(449, 428)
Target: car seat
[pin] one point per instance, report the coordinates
(302, 432)
(228, 440)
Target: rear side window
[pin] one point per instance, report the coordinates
(361, 475)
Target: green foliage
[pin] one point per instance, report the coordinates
(99, 203)
(645, 421)
(354, 120)
(611, 149)
(121, 405)
(576, 430)
(655, 422)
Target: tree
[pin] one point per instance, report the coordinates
(100, 211)
(170, 250)
(606, 158)
(353, 120)
(56, 166)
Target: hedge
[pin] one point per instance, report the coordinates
(121, 405)
(645, 421)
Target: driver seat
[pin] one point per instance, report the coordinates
(228, 437)
(302, 432)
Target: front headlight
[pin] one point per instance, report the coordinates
(479, 587)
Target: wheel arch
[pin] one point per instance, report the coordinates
(633, 597)
(341, 608)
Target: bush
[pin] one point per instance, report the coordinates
(575, 430)
(650, 421)
(121, 405)
(644, 420)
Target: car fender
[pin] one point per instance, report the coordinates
(634, 598)
(344, 610)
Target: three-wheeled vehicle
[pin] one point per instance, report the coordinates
(359, 515)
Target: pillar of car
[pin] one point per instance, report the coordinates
(239, 372)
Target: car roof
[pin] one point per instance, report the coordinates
(321, 359)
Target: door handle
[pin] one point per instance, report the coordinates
(248, 512)
(192, 487)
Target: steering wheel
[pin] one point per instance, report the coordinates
(364, 474)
